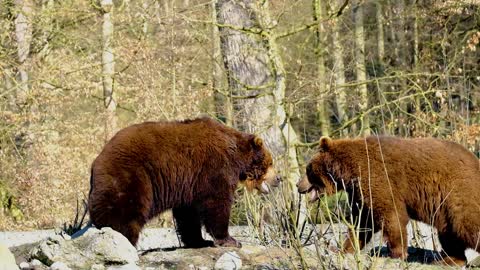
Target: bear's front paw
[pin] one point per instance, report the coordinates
(228, 242)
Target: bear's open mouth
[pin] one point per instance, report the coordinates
(264, 188)
(312, 194)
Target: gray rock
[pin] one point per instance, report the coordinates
(55, 248)
(130, 266)
(59, 266)
(108, 246)
(24, 265)
(7, 260)
(97, 267)
(228, 261)
(104, 246)
(36, 262)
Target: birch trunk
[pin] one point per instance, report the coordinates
(380, 33)
(222, 93)
(256, 77)
(339, 72)
(322, 104)
(360, 69)
(108, 68)
(416, 52)
(23, 37)
(402, 54)
(381, 54)
(6, 70)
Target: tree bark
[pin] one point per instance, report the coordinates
(222, 93)
(339, 72)
(23, 37)
(322, 94)
(256, 77)
(108, 69)
(360, 69)
(380, 33)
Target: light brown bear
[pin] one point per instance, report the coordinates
(393, 179)
(191, 167)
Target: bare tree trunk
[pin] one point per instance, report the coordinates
(402, 61)
(380, 33)
(23, 35)
(222, 93)
(339, 71)
(257, 79)
(416, 52)
(381, 58)
(322, 95)
(360, 69)
(108, 69)
(6, 69)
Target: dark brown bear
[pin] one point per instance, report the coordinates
(191, 167)
(393, 179)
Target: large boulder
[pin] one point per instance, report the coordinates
(105, 246)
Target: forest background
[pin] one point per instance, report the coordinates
(72, 73)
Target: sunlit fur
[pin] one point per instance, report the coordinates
(192, 167)
(430, 180)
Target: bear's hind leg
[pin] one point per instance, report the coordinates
(453, 250)
(128, 226)
(131, 231)
(189, 227)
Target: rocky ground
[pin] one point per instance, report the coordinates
(159, 249)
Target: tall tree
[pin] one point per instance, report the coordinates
(6, 67)
(222, 93)
(339, 70)
(380, 34)
(256, 77)
(322, 82)
(108, 68)
(360, 69)
(23, 37)
(402, 61)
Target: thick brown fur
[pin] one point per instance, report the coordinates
(191, 167)
(393, 179)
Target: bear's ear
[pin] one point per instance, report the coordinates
(325, 143)
(257, 142)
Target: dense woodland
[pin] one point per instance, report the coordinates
(74, 72)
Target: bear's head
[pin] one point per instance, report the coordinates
(260, 173)
(324, 172)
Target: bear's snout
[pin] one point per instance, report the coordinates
(303, 185)
(276, 182)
